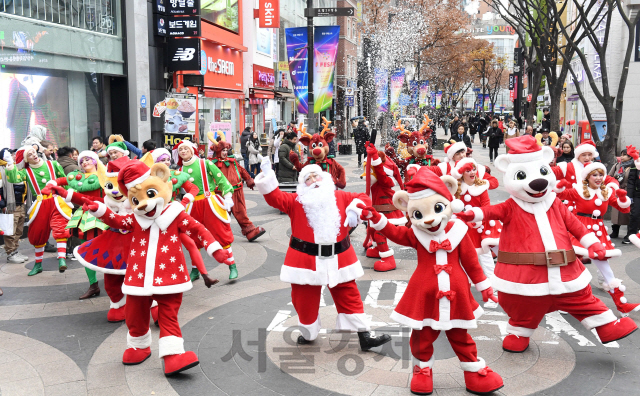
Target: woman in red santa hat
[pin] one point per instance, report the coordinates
(592, 198)
(585, 153)
(437, 297)
(474, 193)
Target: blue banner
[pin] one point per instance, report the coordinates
(297, 40)
(414, 91)
(381, 79)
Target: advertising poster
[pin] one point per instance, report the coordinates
(180, 114)
(439, 99)
(325, 45)
(424, 93)
(223, 13)
(487, 103)
(601, 129)
(381, 78)
(397, 79)
(414, 91)
(433, 100)
(296, 39)
(263, 41)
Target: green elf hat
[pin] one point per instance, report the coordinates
(119, 146)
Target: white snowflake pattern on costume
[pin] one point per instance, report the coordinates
(129, 220)
(143, 242)
(162, 266)
(164, 232)
(159, 280)
(172, 259)
(112, 216)
(142, 253)
(174, 238)
(130, 277)
(164, 248)
(200, 237)
(185, 222)
(133, 252)
(181, 268)
(135, 267)
(140, 275)
(188, 233)
(173, 276)
(205, 243)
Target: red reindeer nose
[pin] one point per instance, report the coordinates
(316, 151)
(421, 151)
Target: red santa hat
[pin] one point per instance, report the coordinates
(114, 167)
(456, 171)
(425, 183)
(186, 143)
(308, 169)
(21, 155)
(590, 167)
(523, 149)
(135, 172)
(588, 146)
(452, 149)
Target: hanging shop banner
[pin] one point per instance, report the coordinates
(397, 80)
(433, 100)
(269, 13)
(414, 91)
(439, 99)
(487, 103)
(381, 78)
(180, 114)
(184, 54)
(424, 93)
(325, 50)
(177, 7)
(297, 54)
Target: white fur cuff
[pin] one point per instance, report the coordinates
(119, 304)
(599, 320)
(170, 345)
(624, 204)
(422, 364)
(519, 331)
(310, 332)
(479, 215)
(484, 285)
(589, 240)
(189, 197)
(102, 209)
(266, 182)
(379, 225)
(52, 183)
(141, 342)
(412, 166)
(69, 195)
(213, 247)
(473, 367)
(386, 254)
(614, 284)
(376, 162)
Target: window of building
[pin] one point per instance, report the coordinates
(348, 29)
(348, 73)
(353, 30)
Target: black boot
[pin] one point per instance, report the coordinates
(303, 341)
(367, 341)
(49, 248)
(616, 230)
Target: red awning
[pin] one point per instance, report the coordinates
(221, 93)
(260, 94)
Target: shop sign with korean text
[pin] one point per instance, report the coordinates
(177, 7)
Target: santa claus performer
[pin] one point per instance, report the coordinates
(592, 199)
(385, 175)
(236, 175)
(209, 208)
(320, 251)
(48, 214)
(537, 270)
(156, 268)
(474, 193)
(438, 297)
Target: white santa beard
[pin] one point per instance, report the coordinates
(321, 208)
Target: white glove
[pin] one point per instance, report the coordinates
(265, 164)
(7, 157)
(228, 202)
(352, 219)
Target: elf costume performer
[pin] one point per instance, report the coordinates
(474, 193)
(48, 214)
(156, 268)
(209, 208)
(116, 148)
(438, 297)
(385, 175)
(82, 224)
(320, 251)
(235, 174)
(537, 270)
(592, 199)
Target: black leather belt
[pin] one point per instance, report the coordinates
(320, 249)
(589, 215)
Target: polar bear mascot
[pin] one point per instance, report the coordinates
(537, 270)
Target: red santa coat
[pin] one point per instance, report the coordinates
(156, 263)
(595, 206)
(540, 227)
(301, 268)
(571, 171)
(382, 187)
(483, 234)
(438, 294)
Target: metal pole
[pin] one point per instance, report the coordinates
(311, 116)
(483, 84)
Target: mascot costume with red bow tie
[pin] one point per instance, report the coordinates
(537, 270)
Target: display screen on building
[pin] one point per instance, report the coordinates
(223, 13)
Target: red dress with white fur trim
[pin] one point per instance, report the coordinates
(438, 294)
(483, 234)
(595, 206)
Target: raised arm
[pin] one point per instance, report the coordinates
(620, 201)
(268, 186)
(221, 182)
(133, 149)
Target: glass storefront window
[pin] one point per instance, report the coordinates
(224, 112)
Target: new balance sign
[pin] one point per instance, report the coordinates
(269, 13)
(184, 54)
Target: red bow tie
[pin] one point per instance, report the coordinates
(439, 268)
(422, 371)
(448, 294)
(445, 245)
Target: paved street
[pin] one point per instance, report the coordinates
(53, 344)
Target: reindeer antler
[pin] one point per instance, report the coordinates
(401, 127)
(325, 126)
(302, 129)
(425, 123)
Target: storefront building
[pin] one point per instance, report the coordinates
(63, 70)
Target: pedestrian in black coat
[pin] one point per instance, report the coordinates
(633, 192)
(461, 136)
(495, 135)
(361, 136)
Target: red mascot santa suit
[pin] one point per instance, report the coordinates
(437, 297)
(156, 267)
(320, 251)
(537, 270)
(385, 175)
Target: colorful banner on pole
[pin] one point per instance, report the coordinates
(414, 91)
(325, 50)
(397, 80)
(433, 100)
(381, 78)
(298, 66)
(487, 103)
(424, 93)
(439, 99)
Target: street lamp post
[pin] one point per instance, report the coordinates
(483, 79)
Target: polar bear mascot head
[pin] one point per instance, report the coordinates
(527, 174)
